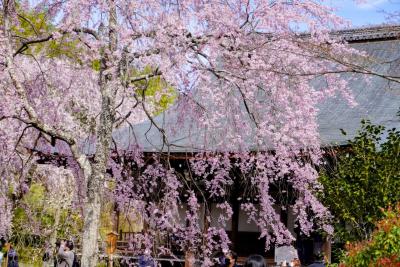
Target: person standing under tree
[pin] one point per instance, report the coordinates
(65, 254)
(318, 261)
(12, 257)
(255, 261)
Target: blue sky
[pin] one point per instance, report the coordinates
(370, 12)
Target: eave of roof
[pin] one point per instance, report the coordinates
(373, 33)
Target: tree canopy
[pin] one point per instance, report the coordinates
(245, 58)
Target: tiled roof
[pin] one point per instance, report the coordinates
(370, 33)
(378, 100)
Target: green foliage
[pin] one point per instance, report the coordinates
(382, 249)
(30, 255)
(31, 204)
(155, 90)
(362, 179)
(96, 65)
(33, 24)
(34, 222)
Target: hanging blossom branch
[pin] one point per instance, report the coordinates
(245, 101)
(33, 117)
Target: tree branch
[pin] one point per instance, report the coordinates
(25, 44)
(33, 117)
(146, 76)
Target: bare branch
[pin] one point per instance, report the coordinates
(25, 44)
(146, 76)
(87, 31)
(146, 53)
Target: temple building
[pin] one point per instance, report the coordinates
(377, 98)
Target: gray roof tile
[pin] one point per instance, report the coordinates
(378, 100)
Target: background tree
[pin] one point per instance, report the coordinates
(44, 213)
(365, 177)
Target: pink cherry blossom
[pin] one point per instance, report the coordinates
(246, 79)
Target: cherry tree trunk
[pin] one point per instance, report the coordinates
(96, 179)
(92, 211)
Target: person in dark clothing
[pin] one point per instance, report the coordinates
(318, 261)
(55, 253)
(231, 259)
(146, 261)
(226, 259)
(12, 257)
(255, 261)
(47, 257)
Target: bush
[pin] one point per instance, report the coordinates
(382, 249)
(365, 177)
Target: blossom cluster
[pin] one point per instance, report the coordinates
(249, 83)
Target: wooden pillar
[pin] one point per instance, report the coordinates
(116, 216)
(235, 222)
(327, 249)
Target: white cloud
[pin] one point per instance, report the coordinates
(369, 4)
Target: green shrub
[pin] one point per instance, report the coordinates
(365, 177)
(382, 249)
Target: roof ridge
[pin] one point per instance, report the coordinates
(369, 33)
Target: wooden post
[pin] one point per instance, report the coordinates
(235, 223)
(115, 218)
(235, 216)
(327, 249)
(111, 247)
